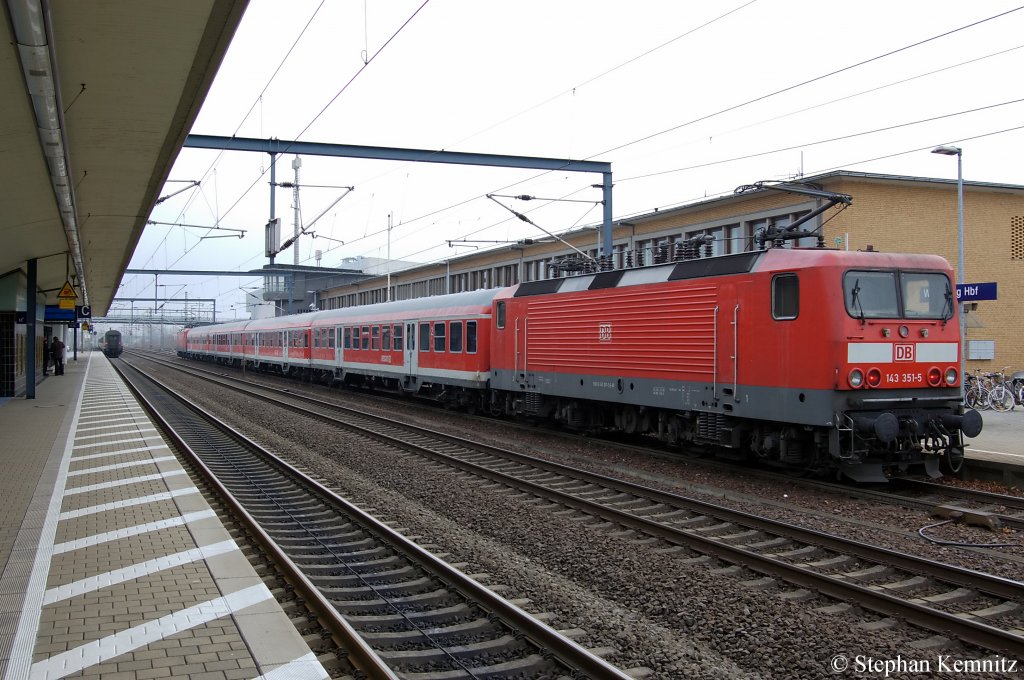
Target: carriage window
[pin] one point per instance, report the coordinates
(348, 337)
(424, 337)
(398, 337)
(365, 337)
(471, 337)
(501, 314)
(785, 296)
(439, 336)
(375, 338)
(331, 335)
(870, 294)
(455, 337)
(385, 338)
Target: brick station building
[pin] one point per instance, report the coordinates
(889, 213)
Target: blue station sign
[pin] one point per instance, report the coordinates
(55, 313)
(976, 292)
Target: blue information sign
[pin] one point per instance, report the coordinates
(55, 313)
(975, 292)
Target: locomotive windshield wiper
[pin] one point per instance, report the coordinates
(855, 299)
(947, 310)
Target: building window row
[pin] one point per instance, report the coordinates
(695, 241)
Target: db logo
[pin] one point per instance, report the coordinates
(904, 352)
(604, 332)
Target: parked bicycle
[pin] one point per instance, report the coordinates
(1017, 387)
(1000, 395)
(976, 394)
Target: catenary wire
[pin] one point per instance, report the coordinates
(359, 71)
(892, 52)
(245, 117)
(726, 110)
(694, 167)
(366, 62)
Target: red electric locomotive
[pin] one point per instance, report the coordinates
(806, 358)
(810, 359)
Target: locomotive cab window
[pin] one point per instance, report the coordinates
(785, 296)
(927, 295)
(871, 294)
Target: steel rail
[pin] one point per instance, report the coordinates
(970, 631)
(345, 636)
(564, 649)
(1015, 502)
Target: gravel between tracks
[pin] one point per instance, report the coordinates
(655, 609)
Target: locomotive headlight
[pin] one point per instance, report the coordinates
(856, 378)
(874, 377)
(904, 331)
(950, 376)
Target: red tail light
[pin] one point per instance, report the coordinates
(874, 377)
(934, 376)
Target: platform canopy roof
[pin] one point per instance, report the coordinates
(97, 100)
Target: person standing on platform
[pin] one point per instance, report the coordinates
(57, 354)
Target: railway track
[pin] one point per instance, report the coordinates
(397, 610)
(992, 509)
(974, 608)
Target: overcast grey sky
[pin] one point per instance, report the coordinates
(684, 99)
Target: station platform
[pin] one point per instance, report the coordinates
(997, 454)
(114, 565)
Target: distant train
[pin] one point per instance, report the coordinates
(810, 359)
(112, 345)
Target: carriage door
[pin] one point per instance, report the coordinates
(411, 365)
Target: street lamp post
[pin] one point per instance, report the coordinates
(958, 152)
